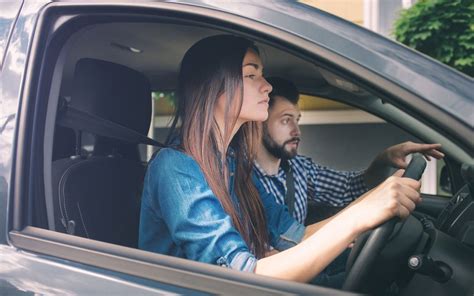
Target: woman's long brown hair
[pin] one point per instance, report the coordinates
(210, 68)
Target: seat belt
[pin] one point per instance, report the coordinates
(290, 187)
(84, 121)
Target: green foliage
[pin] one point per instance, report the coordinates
(168, 96)
(442, 29)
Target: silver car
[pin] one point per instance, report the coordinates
(76, 86)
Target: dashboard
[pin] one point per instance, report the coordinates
(443, 262)
(457, 218)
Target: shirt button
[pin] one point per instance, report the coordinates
(222, 262)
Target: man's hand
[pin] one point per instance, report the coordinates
(395, 157)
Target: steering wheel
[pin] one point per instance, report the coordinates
(367, 247)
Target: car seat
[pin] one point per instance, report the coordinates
(97, 196)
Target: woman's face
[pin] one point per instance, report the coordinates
(256, 89)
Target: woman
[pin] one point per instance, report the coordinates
(199, 201)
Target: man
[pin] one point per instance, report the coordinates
(295, 179)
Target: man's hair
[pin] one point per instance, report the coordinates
(283, 88)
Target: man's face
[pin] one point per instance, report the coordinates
(281, 133)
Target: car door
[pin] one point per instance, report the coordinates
(35, 257)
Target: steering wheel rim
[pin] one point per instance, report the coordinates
(371, 248)
(367, 256)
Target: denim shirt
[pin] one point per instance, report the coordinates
(180, 216)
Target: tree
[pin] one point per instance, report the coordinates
(442, 29)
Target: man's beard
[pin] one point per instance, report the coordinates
(277, 150)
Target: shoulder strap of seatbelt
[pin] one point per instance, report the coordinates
(81, 120)
(290, 186)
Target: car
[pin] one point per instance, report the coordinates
(75, 109)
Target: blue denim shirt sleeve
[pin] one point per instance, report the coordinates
(285, 231)
(194, 217)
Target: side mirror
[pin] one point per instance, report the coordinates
(445, 180)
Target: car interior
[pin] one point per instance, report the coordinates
(97, 116)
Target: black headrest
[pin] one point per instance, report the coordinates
(113, 92)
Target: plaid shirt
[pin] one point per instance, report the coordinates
(313, 182)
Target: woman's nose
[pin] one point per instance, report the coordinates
(266, 87)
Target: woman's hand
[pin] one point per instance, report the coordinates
(325, 240)
(396, 196)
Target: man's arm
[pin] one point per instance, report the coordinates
(332, 187)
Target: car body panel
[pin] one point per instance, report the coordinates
(11, 81)
(26, 272)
